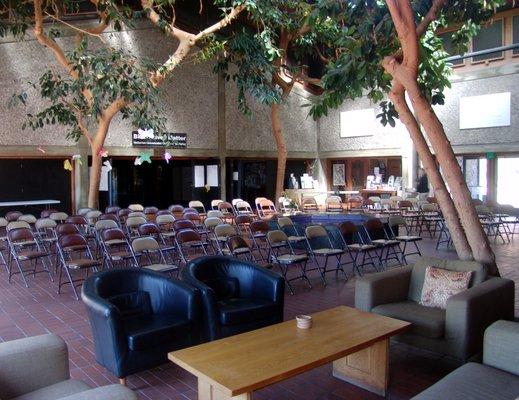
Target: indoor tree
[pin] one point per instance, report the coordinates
(266, 55)
(97, 83)
(393, 48)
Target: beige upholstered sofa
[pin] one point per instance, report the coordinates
(37, 368)
(497, 378)
(456, 331)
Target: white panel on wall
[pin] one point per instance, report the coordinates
(212, 175)
(485, 111)
(199, 176)
(358, 123)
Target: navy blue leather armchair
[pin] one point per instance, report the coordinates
(237, 296)
(138, 316)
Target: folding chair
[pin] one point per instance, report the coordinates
(288, 226)
(132, 225)
(116, 248)
(333, 204)
(284, 256)
(239, 247)
(228, 211)
(258, 231)
(92, 216)
(189, 239)
(222, 232)
(137, 214)
(355, 246)
(196, 219)
(210, 224)
(112, 217)
(320, 246)
(199, 207)
(150, 213)
(151, 229)
(75, 255)
(243, 208)
(165, 223)
(243, 224)
(29, 218)
(3, 242)
(59, 217)
(12, 216)
(395, 223)
(309, 204)
(177, 210)
(378, 237)
(214, 204)
(266, 209)
(234, 202)
(45, 233)
(149, 249)
(100, 226)
(430, 218)
(123, 215)
(24, 247)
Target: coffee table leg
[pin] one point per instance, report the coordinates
(206, 391)
(367, 368)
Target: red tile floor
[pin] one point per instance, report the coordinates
(38, 310)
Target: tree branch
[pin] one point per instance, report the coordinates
(431, 15)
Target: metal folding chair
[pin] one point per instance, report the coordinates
(320, 246)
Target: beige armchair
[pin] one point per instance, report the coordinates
(37, 368)
(456, 331)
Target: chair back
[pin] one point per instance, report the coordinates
(214, 204)
(212, 222)
(236, 242)
(181, 224)
(147, 243)
(135, 222)
(22, 234)
(277, 237)
(197, 205)
(112, 234)
(315, 231)
(259, 227)
(77, 220)
(193, 216)
(45, 223)
(148, 229)
(112, 210)
(123, 214)
(244, 219)
(17, 225)
(83, 211)
(29, 218)
(136, 207)
(309, 204)
(111, 217)
(164, 212)
(73, 241)
(429, 207)
(243, 207)
(285, 222)
(226, 208)
(165, 219)
(224, 230)
(13, 216)
(188, 236)
(333, 203)
(92, 216)
(104, 224)
(47, 213)
(59, 216)
(349, 232)
(66, 229)
(151, 210)
(375, 199)
(375, 229)
(214, 214)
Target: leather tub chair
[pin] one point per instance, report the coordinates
(237, 296)
(138, 316)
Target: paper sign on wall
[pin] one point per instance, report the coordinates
(486, 111)
(199, 176)
(358, 123)
(212, 175)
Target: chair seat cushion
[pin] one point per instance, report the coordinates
(385, 242)
(476, 382)
(426, 321)
(360, 247)
(328, 252)
(408, 238)
(161, 267)
(132, 303)
(83, 263)
(56, 391)
(225, 287)
(296, 238)
(31, 254)
(291, 258)
(152, 330)
(236, 311)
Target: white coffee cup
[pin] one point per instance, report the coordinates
(304, 321)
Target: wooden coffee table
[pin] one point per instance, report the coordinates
(355, 341)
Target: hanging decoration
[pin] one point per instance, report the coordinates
(107, 165)
(67, 165)
(207, 187)
(145, 133)
(138, 161)
(77, 159)
(145, 157)
(167, 156)
(41, 150)
(102, 153)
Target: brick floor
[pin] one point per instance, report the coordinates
(38, 310)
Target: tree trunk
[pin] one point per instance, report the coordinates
(277, 131)
(476, 236)
(445, 202)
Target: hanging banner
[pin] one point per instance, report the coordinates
(173, 140)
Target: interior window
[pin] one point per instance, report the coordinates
(489, 37)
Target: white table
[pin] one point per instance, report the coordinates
(26, 203)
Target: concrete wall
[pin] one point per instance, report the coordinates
(254, 133)
(385, 140)
(483, 139)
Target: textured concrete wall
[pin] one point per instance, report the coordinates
(449, 113)
(255, 133)
(386, 138)
(190, 98)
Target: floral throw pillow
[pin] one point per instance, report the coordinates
(440, 284)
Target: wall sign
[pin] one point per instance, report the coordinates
(486, 111)
(358, 123)
(149, 139)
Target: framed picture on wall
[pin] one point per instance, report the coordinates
(339, 175)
